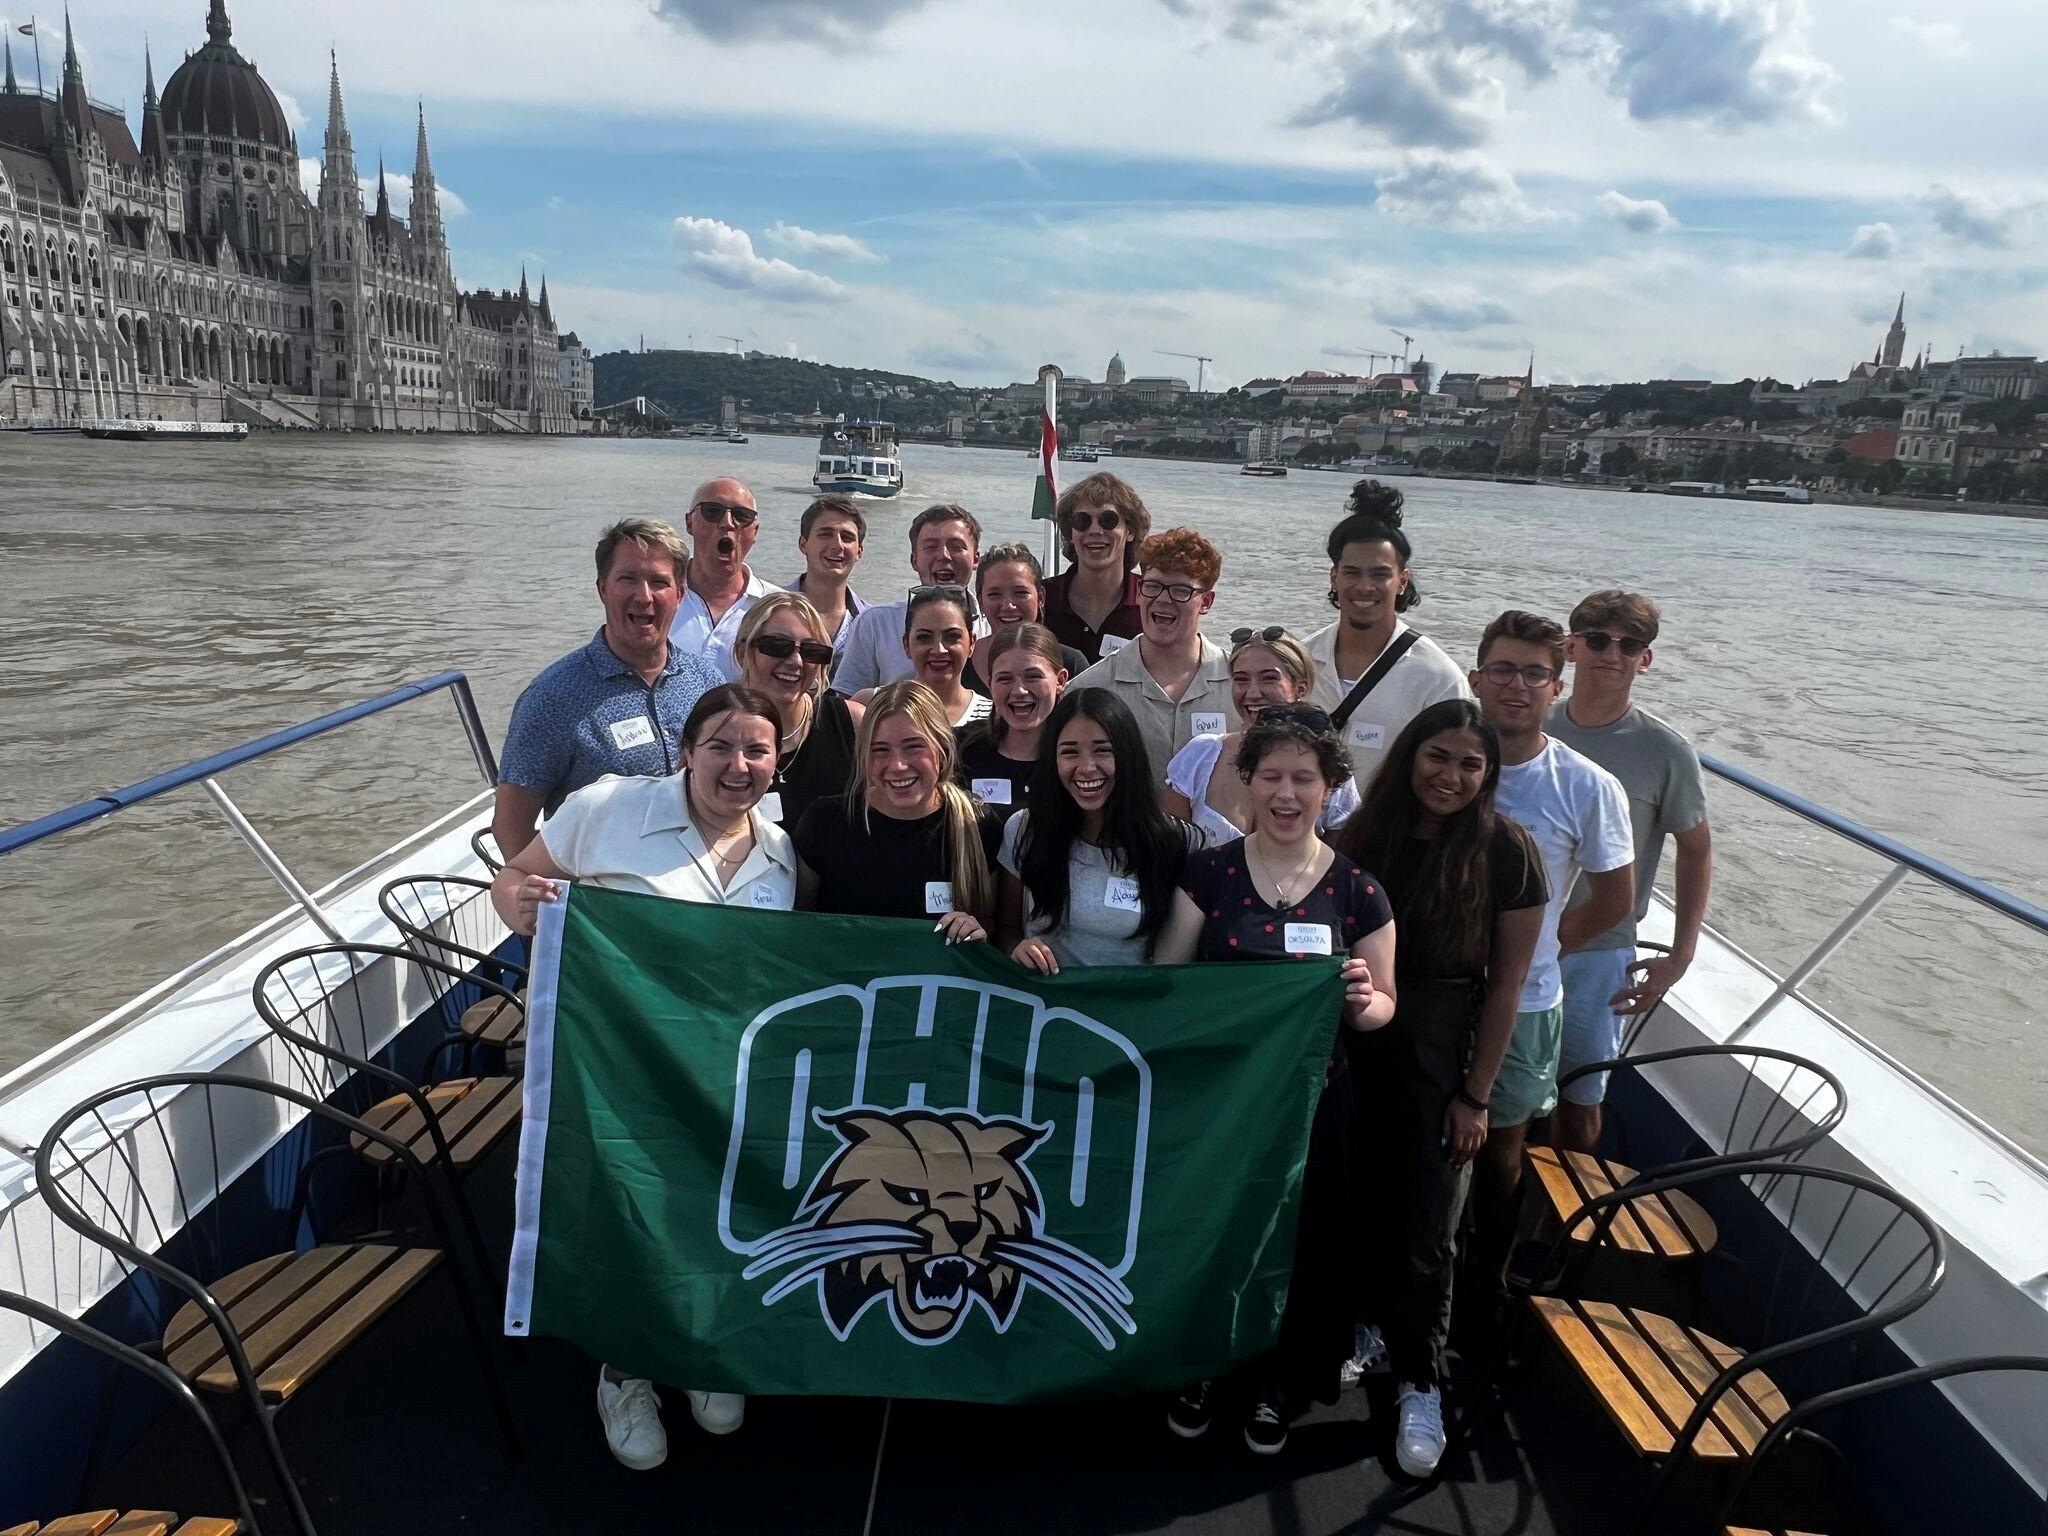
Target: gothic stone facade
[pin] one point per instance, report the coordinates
(190, 277)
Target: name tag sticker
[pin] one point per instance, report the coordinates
(1363, 733)
(993, 791)
(1121, 894)
(938, 897)
(635, 732)
(1307, 939)
(1113, 643)
(1206, 724)
(763, 894)
(770, 808)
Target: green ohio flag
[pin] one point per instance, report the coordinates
(780, 1152)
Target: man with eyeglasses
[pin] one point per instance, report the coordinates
(1609, 648)
(1577, 814)
(1175, 680)
(945, 548)
(718, 587)
(1094, 605)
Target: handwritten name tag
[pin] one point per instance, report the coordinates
(1121, 894)
(1307, 939)
(636, 732)
(1113, 643)
(992, 791)
(770, 808)
(1364, 733)
(762, 894)
(938, 897)
(1206, 724)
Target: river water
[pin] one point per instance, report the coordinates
(160, 602)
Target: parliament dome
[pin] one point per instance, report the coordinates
(217, 93)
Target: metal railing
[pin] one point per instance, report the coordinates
(203, 773)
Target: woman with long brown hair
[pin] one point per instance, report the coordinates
(1468, 891)
(1027, 673)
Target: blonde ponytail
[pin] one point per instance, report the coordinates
(974, 887)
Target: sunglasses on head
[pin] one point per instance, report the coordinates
(1597, 640)
(782, 647)
(1107, 519)
(718, 511)
(1247, 635)
(1305, 715)
(946, 592)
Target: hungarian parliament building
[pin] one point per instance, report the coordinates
(190, 277)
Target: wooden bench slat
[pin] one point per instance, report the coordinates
(144, 1522)
(139, 1522)
(1659, 1221)
(1670, 1396)
(358, 1266)
(1747, 1530)
(207, 1525)
(227, 1290)
(1594, 1177)
(1755, 1388)
(1683, 1348)
(338, 1328)
(1635, 1418)
(28, 1529)
(400, 1119)
(90, 1524)
(493, 1021)
(284, 1276)
(489, 1111)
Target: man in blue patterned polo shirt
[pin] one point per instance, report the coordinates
(618, 704)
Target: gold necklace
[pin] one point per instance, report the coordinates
(1280, 889)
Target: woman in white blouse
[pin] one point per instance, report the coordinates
(695, 836)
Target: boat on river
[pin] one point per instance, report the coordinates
(858, 458)
(1266, 469)
(1806, 1230)
(128, 429)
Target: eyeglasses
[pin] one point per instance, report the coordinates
(1179, 591)
(1106, 520)
(1305, 715)
(1597, 640)
(1247, 635)
(949, 592)
(718, 511)
(1501, 673)
(782, 647)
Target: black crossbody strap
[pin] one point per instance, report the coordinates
(1401, 645)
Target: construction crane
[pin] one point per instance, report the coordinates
(1407, 341)
(1372, 358)
(735, 340)
(1201, 364)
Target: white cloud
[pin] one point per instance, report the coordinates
(1638, 215)
(819, 21)
(808, 243)
(726, 256)
(294, 114)
(1467, 191)
(1726, 63)
(1931, 39)
(967, 353)
(1983, 218)
(396, 183)
(1874, 242)
(1453, 309)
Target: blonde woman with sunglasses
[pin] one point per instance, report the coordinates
(782, 651)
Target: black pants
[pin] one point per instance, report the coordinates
(1403, 1080)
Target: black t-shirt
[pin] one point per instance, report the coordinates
(882, 868)
(1071, 659)
(1515, 878)
(821, 765)
(1238, 923)
(1001, 783)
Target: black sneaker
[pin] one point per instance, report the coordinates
(1265, 1427)
(1188, 1416)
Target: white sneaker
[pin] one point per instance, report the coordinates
(1419, 1438)
(1368, 1354)
(718, 1413)
(632, 1421)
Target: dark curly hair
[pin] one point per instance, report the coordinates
(1374, 516)
(1285, 727)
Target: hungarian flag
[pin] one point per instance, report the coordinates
(779, 1152)
(1047, 493)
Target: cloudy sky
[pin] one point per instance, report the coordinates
(968, 188)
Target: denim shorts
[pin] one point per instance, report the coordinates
(1527, 1084)
(1592, 1029)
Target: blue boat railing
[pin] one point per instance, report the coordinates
(204, 773)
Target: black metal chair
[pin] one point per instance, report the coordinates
(485, 847)
(1633, 1031)
(1679, 1395)
(1795, 1421)
(261, 1330)
(431, 912)
(172, 1383)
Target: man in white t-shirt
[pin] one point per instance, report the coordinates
(1371, 587)
(718, 585)
(1577, 813)
(945, 548)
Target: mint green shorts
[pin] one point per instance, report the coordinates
(1527, 1084)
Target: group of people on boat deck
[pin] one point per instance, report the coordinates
(1072, 769)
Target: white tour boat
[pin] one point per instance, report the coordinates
(858, 458)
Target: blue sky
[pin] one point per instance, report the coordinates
(1627, 188)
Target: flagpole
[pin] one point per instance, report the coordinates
(35, 34)
(1048, 451)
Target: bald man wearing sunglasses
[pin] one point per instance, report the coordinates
(718, 585)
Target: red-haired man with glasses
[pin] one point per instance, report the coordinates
(1094, 605)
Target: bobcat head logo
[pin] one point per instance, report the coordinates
(936, 1212)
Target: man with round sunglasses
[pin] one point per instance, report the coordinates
(718, 586)
(1093, 605)
(1608, 648)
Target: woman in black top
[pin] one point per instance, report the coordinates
(1009, 585)
(1467, 886)
(999, 754)
(907, 840)
(782, 651)
(1282, 893)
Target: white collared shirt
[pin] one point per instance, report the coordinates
(635, 834)
(693, 631)
(1423, 676)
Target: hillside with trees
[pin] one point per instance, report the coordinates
(691, 385)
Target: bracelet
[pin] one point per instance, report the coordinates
(1465, 1098)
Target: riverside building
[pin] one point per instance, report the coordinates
(190, 276)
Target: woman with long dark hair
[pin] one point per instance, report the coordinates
(1091, 868)
(1468, 891)
(999, 755)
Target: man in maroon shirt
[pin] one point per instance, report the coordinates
(1093, 605)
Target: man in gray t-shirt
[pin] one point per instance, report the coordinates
(1609, 647)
